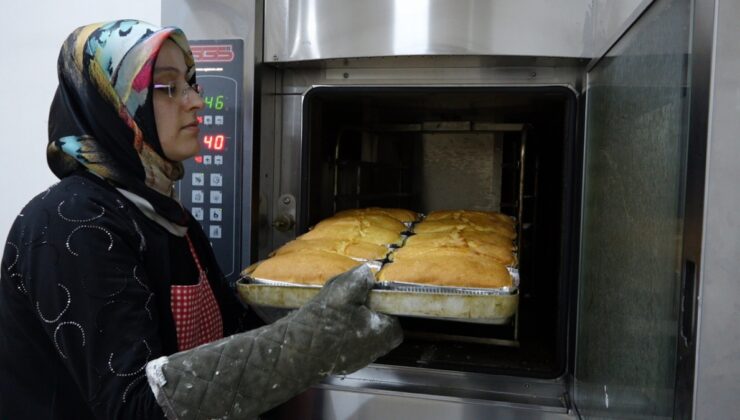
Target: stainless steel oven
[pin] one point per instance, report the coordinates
(591, 121)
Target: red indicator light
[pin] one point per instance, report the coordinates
(199, 159)
(200, 120)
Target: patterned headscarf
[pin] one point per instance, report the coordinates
(102, 115)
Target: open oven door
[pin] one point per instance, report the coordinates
(641, 218)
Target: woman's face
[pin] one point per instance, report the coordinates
(176, 117)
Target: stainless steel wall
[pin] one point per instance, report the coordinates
(298, 30)
(718, 350)
(608, 19)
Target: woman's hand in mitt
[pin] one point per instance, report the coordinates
(362, 335)
(246, 374)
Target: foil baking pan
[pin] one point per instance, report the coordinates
(486, 306)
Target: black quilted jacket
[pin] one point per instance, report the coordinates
(84, 304)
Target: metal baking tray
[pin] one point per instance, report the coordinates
(485, 306)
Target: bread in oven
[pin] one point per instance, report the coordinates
(499, 254)
(354, 232)
(309, 266)
(377, 220)
(402, 215)
(451, 225)
(458, 271)
(478, 217)
(353, 249)
(455, 237)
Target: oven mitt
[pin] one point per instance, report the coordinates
(246, 374)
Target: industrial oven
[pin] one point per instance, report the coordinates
(590, 121)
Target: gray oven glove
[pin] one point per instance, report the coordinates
(246, 374)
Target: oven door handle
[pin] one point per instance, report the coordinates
(689, 300)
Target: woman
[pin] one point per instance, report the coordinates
(105, 274)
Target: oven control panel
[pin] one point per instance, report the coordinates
(211, 187)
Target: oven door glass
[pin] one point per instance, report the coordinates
(631, 237)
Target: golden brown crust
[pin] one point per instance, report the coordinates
(312, 267)
(478, 217)
(357, 249)
(366, 251)
(499, 254)
(354, 233)
(376, 220)
(460, 271)
(453, 237)
(451, 225)
(402, 215)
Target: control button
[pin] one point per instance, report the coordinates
(198, 179)
(218, 160)
(207, 159)
(216, 180)
(207, 120)
(197, 213)
(219, 120)
(216, 197)
(214, 231)
(197, 196)
(215, 215)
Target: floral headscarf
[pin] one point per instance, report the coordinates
(102, 116)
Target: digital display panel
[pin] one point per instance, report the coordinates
(211, 187)
(214, 142)
(214, 102)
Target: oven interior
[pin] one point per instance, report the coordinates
(505, 149)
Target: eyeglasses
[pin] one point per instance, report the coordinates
(180, 90)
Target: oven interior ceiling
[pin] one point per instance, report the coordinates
(483, 148)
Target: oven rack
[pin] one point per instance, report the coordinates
(343, 199)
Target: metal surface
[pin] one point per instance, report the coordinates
(319, 29)
(702, 40)
(281, 163)
(460, 159)
(359, 168)
(635, 165)
(285, 219)
(484, 309)
(520, 195)
(603, 10)
(334, 404)
(380, 392)
(718, 359)
(609, 20)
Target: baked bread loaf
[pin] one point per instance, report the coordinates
(459, 271)
(473, 216)
(454, 237)
(354, 232)
(451, 225)
(310, 267)
(402, 215)
(499, 254)
(376, 220)
(353, 249)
